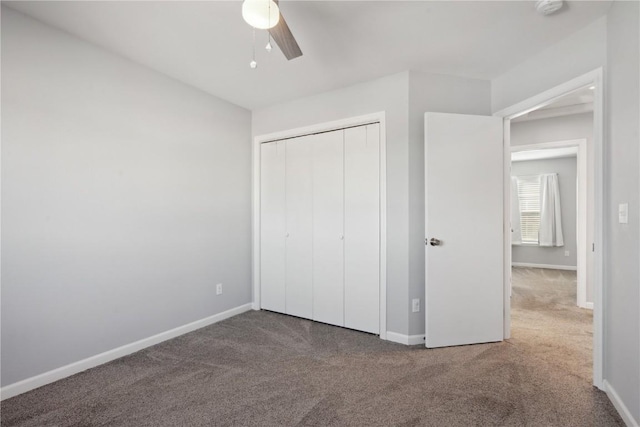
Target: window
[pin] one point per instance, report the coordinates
(529, 195)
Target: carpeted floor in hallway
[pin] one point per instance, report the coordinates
(266, 369)
(547, 323)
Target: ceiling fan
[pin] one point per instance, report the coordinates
(265, 15)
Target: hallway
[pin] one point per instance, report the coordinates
(547, 324)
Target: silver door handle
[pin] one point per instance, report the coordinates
(435, 242)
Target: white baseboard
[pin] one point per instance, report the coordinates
(255, 306)
(550, 266)
(619, 405)
(405, 339)
(91, 362)
(588, 305)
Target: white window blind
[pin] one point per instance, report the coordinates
(529, 194)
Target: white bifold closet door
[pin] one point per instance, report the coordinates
(362, 228)
(320, 227)
(299, 223)
(328, 227)
(272, 226)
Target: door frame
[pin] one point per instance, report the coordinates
(378, 117)
(592, 78)
(582, 265)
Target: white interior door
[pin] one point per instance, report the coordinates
(362, 228)
(299, 202)
(328, 228)
(272, 226)
(464, 214)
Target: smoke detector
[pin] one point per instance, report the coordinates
(547, 7)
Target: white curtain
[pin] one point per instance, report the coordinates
(550, 233)
(516, 232)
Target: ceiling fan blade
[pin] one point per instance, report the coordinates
(285, 40)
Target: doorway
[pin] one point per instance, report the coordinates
(551, 312)
(570, 162)
(561, 101)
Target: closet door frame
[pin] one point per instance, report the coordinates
(378, 117)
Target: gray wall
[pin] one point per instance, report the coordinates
(405, 97)
(563, 128)
(125, 199)
(622, 277)
(581, 52)
(613, 44)
(566, 170)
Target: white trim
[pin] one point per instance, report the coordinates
(598, 238)
(321, 127)
(582, 260)
(378, 117)
(91, 362)
(556, 112)
(588, 305)
(582, 172)
(383, 227)
(255, 223)
(405, 339)
(550, 153)
(594, 78)
(506, 232)
(549, 266)
(622, 409)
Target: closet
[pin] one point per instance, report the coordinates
(320, 227)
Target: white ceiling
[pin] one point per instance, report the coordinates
(576, 102)
(207, 44)
(578, 97)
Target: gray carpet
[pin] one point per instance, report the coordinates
(266, 369)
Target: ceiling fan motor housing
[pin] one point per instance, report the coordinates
(547, 7)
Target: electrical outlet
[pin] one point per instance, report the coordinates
(219, 289)
(566, 253)
(415, 305)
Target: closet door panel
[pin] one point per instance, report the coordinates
(362, 228)
(328, 223)
(272, 226)
(299, 211)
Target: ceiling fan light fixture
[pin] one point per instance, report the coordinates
(261, 14)
(547, 7)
